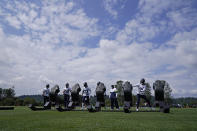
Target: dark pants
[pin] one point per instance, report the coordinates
(85, 100)
(66, 100)
(54, 99)
(75, 97)
(114, 102)
(128, 97)
(46, 99)
(100, 98)
(144, 97)
(159, 95)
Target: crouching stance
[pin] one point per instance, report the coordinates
(85, 95)
(66, 92)
(141, 93)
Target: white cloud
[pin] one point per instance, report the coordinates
(186, 47)
(137, 31)
(183, 18)
(156, 17)
(13, 21)
(111, 7)
(61, 20)
(111, 61)
(35, 62)
(108, 5)
(31, 60)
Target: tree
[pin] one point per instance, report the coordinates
(118, 86)
(120, 93)
(19, 102)
(134, 100)
(167, 93)
(7, 96)
(148, 91)
(8, 101)
(107, 101)
(1, 92)
(28, 101)
(10, 93)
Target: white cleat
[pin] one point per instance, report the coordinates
(137, 109)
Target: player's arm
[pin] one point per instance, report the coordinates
(110, 93)
(43, 91)
(144, 88)
(116, 91)
(137, 85)
(82, 92)
(90, 90)
(63, 91)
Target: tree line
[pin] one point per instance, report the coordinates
(7, 98)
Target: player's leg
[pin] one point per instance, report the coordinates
(112, 103)
(116, 103)
(144, 97)
(138, 102)
(83, 101)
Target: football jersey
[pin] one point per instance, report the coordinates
(113, 93)
(46, 92)
(67, 91)
(141, 89)
(86, 91)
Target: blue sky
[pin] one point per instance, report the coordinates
(98, 40)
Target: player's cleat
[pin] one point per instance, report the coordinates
(137, 109)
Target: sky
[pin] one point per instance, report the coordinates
(59, 41)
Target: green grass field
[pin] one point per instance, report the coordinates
(22, 118)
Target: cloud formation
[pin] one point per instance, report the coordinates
(47, 43)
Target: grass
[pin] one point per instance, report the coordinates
(23, 119)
